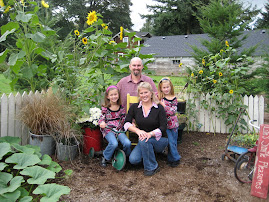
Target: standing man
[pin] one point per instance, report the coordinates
(129, 83)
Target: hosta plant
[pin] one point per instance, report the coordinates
(25, 175)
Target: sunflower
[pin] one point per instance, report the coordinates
(2, 3)
(221, 51)
(201, 72)
(92, 17)
(180, 64)
(7, 9)
(203, 62)
(76, 32)
(121, 33)
(227, 43)
(84, 40)
(192, 74)
(111, 42)
(214, 81)
(220, 74)
(44, 4)
(231, 91)
(106, 27)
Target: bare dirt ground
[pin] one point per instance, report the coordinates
(201, 176)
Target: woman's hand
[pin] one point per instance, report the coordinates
(145, 136)
(102, 124)
(140, 133)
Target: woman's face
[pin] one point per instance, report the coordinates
(145, 95)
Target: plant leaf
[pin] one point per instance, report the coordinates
(4, 36)
(23, 160)
(4, 149)
(55, 167)
(9, 184)
(10, 197)
(39, 175)
(26, 199)
(52, 191)
(10, 139)
(23, 149)
(46, 160)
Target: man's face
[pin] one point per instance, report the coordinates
(136, 67)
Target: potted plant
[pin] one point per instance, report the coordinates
(92, 136)
(44, 115)
(182, 120)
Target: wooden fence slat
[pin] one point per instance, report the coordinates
(202, 116)
(207, 115)
(250, 110)
(25, 130)
(245, 102)
(18, 125)
(11, 115)
(261, 110)
(4, 115)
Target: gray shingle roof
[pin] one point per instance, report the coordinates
(179, 45)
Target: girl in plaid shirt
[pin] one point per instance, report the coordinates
(169, 102)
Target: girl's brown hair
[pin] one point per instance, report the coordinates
(147, 86)
(107, 101)
(165, 80)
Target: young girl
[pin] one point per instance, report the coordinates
(169, 102)
(113, 115)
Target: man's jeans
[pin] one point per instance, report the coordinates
(145, 150)
(113, 144)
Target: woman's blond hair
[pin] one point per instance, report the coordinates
(147, 86)
(165, 80)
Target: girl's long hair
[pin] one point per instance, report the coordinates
(165, 80)
(107, 101)
(147, 86)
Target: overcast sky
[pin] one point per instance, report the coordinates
(139, 7)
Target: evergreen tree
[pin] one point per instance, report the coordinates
(264, 21)
(174, 17)
(224, 20)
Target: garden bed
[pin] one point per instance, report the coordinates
(201, 176)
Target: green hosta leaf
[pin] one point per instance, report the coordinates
(23, 17)
(4, 149)
(10, 197)
(10, 139)
(46, 160)
(23, 149)
(23, 160)
(39, 175)
(26, 199)
(55, 167)
(2, 166)
(52, 191)
(4, 36)
(9, 184)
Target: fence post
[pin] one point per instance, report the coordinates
(4, 115)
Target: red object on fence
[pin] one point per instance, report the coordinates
(92, 138)
(260, 179)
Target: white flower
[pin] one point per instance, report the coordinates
(95, 122)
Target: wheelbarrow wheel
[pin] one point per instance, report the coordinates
(119, 159)
(91, 152)
(244, 167)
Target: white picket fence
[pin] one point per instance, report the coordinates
(10, 107)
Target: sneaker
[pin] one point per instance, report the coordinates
(151, 172)
(104, 162)
(173, 163)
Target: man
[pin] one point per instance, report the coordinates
(129, 83)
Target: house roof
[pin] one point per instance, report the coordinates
(179, 45)
(142, 35)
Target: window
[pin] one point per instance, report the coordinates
(176, 62)
(125, 40)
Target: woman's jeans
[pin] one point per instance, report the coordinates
(145, 150)
(113, 144)
(173, 154)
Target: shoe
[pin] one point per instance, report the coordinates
(151, 172)
(104, 162)
(173, 163)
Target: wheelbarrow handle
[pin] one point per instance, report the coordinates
(114, 130)
(251, 123)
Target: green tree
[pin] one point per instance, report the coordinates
(224, 20)
(174, 17)
(263, 22)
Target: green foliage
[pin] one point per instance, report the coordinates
(263, 22)
(25, 175)
(245, 140)
(221, 82)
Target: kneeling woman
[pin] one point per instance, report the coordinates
(150, 119)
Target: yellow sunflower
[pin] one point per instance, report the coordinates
(192, 74)
(76, 32)
(106, 27)
(121, 33)
(227, 43)
(92, 17)
(112, 42)
(84, 40)
(221, 51)
(214, 81)
(231, 91)
(201, 72)
(2, 3)
(203, 62)
(7, 9)
(180, 64)
(44, 4)
(220, 74)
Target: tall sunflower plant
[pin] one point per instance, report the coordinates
(223, 84)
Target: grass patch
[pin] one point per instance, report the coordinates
(4, 85)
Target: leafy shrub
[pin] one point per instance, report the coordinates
(245, 140)
(25, 175)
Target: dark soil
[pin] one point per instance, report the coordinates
(201, 176)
